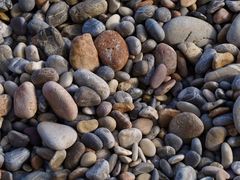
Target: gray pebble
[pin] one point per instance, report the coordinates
(105, 72)
(5, 56)
(141, 33)
(154, 30)
(58, 63)
(106, 136)
(125, 28)
(185, 173)
(144, 13)
(227, 47)
(236, 114)
(104, 109)
(166, 152)
(26, 5)
(223, 120)
(166, 168)
(93, 26)
(143, 168)
(196, 146)
(162, 14)
(209, 95)
(113, 22)
(134, 45)
(92, 141)
(66, 79)
(122, 76)
(17, 65)
(15, 158)
(233, 33)
(192, 158)
(113, 6)
(5, 5)
(226, 155)
(125, 11)
(173, 141)
(236, 167)
(98, 171)
(188, 107)
(234, 141)
(176, 159)
(17, 139)
(31, 53)
(234, 6)
(35, 25)
(19, 25)
(10, 87)
(140, 68)
(148, 45)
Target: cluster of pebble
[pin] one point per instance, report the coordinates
(119, 89)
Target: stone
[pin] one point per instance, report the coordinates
(57, 159)
(17, 65)
(104, 109)
(154, 30)
(35, 25)
(194, 30)
(31, 53)
(58, 63)
(187, 3)
(19, 25)
(222, 16)
(41, 76)
(236, 167)
(196, 146)
(60, 101)
(224, 73)
(188, 107)
(186, 173)
(174, 141)
(166, 115)
(6, 55)
(85, 96)
(93, 27)
(50, 41)
(13, 160)
(149, 112)
(143, 168)
(186, 126)
(6, 104)
(38, 174)
(222, 59)
(234, 6)
(226, 155)
(134, 45)
(176, 159)
(129, 136)
(165, 167)
(147, 147)
(123, 122)
(192, 158)
(159, 76)
(163, 14)
(92, 141)
(26, 5)
(233, 32)
(143, 124)
(57, 14)
(86, 126)
(88, 159)
(25, 101)
(5, 5)
(190, 51)
(56, 136)
(236, 114)
(113, 22)
(112, 49)
(87, 9)
(106, 137)
(107, 122)
(143, 13)
(84, 77)
(165, 54)
(213, 171)
(215, 137)
(227, 47)
(83, 53)
(17, 139)
(99, 171)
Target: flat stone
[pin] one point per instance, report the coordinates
(112, 49)
(188, 107)
(186, 125)
(155, 30)
(60, 101)
(159, 76)
(25, 101)
(86, 9)
(194, 30)
(84, 77)
(57, 136)
(83, 53)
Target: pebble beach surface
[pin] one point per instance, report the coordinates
(119, 89)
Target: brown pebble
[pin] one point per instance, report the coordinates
(25, 101)
(164, 88)
(143, 124)
(123, 107)
(166, 115)
(112, 49)
(215, 137)
(222, 59)
(86, 126)
(6, 104)
(83, 53)
(123, 122)
(44, 75)
(218, 111)
(187, 3)
(60, 101)
(222, 16)
(158, 76)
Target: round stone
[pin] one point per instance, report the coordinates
(60, 101)
(129, 136)
(147, 147)
(58, 63)
(56, 136)
(88, 159)
(192, 158)
(25, 101)
(173, 141)
(112, 49)
(163, 14)
(26, 5)
(154, 30)
(83, 53)
(186, 172)
(105, 72)
(236, 167)
(143, 13)
(186, 126)
(134, 45)
(93, 26)
(215, 137)
(86, 126)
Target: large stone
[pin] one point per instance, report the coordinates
(60, 100)
(87, 9)
(236, 114)
(233, 35)
(189, 29)
(112, 49)
(83, 53)
(56, 136)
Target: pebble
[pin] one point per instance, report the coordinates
(143, 13)
(166, 168)
(41, 76)
(113, 22)
(186, 173)
(154, 30)
(18, 25)
(107, 122)
(234, 6)
(187, 3)
(35, 25)
(148, 45)
(93, 26)
(149, 112)
(144, 125)
(88, 159)
(84, 10)
(57, 14)
(56, 136)
(113, 6)
(233, 32)
(196, 146)
(92, 141)
(236, 114)
(13, 160)
(176, 159)
(106, 137)
(112, 48)
(192, 158)
(17, 65)
(159, 76)
(84, 77)
(31, 53)
(4, 57)
(215, 137)
(57, 159)
(165, 54)
(186, 126)
(125, 134)
(26, 5)
(222, 59)
(58, 63)
(227, 47)
(173, 141)
(85, 96)
(17, 139)
(66, 79)
(25, 101)
(147, 147)
(60, 101)
(99, 171)
(193, 31)
(134, 45)
(50, 41)
(163, 14)
(6, 104)
(86, 126)
(143, 168)
(125, 28)
(236, 167)
(188, 107)
(83, 53)
(226, 155)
